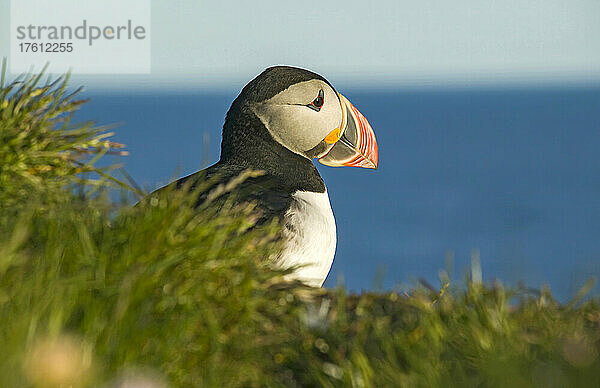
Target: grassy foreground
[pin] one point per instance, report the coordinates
(97, 294)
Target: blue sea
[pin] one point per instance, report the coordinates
(509, 175)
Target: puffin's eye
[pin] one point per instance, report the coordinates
(318, 102)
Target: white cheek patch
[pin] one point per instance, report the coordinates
(293, 124)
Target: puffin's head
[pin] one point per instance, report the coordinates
(305, 114)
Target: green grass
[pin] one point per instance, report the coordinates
(94, 293)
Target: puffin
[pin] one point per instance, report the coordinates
(282, 120)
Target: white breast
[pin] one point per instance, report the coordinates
(309, 237)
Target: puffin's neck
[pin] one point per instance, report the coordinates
(248, 144)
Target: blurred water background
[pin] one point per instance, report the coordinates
(511, 175)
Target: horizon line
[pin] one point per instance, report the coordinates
(192, 82)
(220, 82)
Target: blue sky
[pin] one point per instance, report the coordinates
(377, 43)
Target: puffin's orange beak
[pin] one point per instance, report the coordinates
(355, 144)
